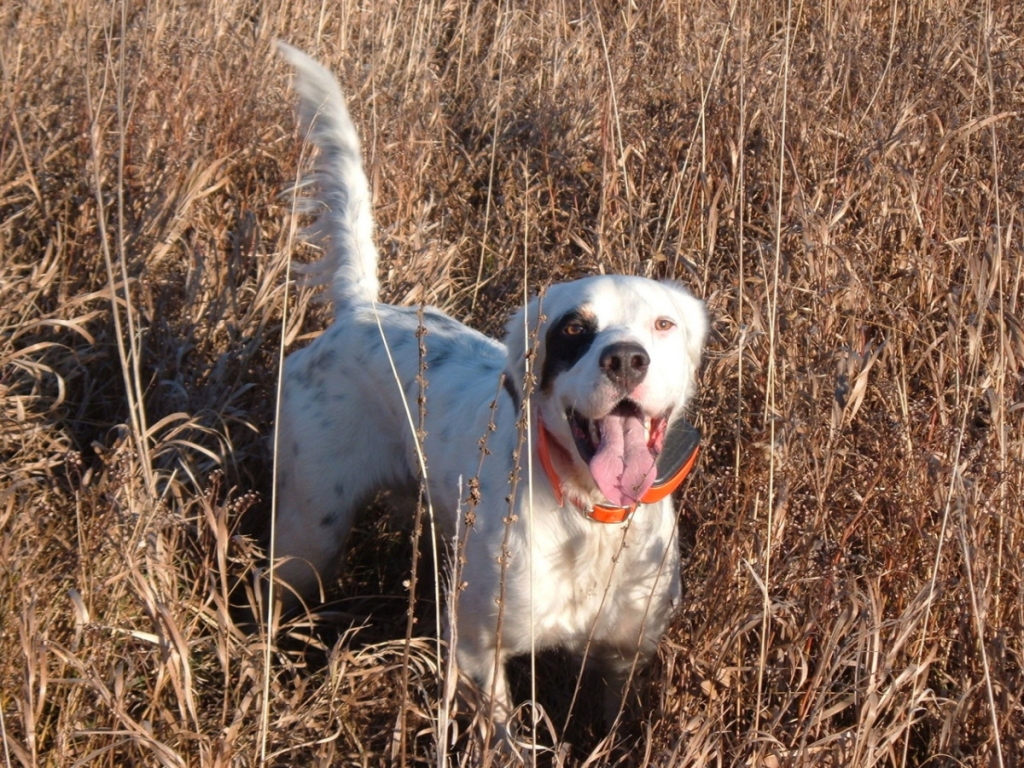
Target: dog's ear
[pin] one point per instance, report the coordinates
(521, 334)
(695, 323)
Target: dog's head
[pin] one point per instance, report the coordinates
(615, 363)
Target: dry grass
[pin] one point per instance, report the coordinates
(842, 181)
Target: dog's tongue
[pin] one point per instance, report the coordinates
(623, 466)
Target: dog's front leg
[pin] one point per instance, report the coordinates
(624, 683)
(483, 678)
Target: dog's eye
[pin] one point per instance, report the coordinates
(575, 328)
(664, 324)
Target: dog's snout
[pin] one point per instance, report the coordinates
(625, 363)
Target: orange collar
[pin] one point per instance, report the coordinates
(682, 444)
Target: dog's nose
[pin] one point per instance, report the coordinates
(625, 363)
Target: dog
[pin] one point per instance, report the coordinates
(589, 391)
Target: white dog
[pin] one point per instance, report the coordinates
(600, 370)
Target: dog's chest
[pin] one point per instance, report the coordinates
(597, 582)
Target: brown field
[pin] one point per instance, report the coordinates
(842, 182)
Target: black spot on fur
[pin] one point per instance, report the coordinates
(566, 341)
(401, 344)
(506, 382)
(323, 360)
(339, 489)
(295, 448)
(300, 375)
(328, 521)
(438, 355)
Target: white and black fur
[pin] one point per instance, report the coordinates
(609, 350)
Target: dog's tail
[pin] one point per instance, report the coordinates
(344, 227)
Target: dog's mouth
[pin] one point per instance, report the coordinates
(620, 449)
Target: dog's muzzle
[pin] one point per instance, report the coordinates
(678, 454)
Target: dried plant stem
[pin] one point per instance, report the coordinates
(772, 382)
(129, 351)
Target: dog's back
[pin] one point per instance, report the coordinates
(349, 404)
